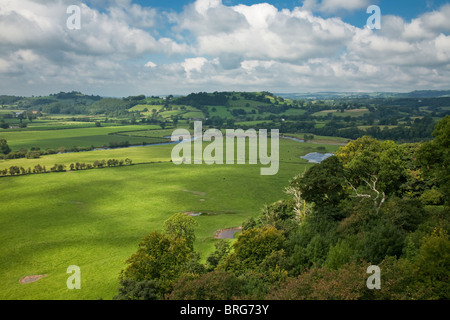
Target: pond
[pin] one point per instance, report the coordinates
(150, 144)
(316, 157)
(292, 138)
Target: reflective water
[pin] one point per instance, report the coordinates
(316, 157)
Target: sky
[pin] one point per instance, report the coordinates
(157, 47)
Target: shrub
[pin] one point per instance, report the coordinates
(215, 285)
(432, 197)
(138, 290)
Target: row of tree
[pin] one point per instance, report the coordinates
(373, 203)
(16, 170)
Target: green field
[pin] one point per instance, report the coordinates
(350, 112)
(77, 137)
(95, 218)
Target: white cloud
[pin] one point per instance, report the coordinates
(333, 6)
(151, 64)
(210, 46)
(30, 24)
(202, 6)
(263, 32)
(336, 6)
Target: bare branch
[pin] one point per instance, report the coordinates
(358, 195)
(372, 186)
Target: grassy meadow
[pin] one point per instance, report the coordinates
(95, 218)
(80, 137)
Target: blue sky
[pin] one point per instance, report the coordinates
(157, 47)
(408, 9)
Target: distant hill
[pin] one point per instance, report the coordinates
(425, 94)
(337, 95)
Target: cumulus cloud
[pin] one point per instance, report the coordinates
(263, 32)
(150, 64)
(335, 6)
(299, 49)
(211, 46)
(34, 39)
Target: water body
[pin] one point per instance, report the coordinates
(162, 144)
(316, 157)
(150, 144)
(227, 233)
(292, 138)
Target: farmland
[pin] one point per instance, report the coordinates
(94, 216)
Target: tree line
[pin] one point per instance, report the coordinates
(36, 152)
(37, 169)
(373, 203)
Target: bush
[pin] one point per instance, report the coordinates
(33, 155)
(347, 283)
(215, 285)
(406, 214)
(433, 263)
(432, 197)
(384, 240)
(138, 290)
(253, 245)
(339, 254)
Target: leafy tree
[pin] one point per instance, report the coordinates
(14, 170)
(434, 156)
(4, 148)
(432, 197)
(223, 248)
(138, 290)
(406, 214)
(339, 254)
(384, 239)
(182, 226)
(280, 215)
(323, 183)
(215, 285)
(252, 246)
(324, 284)
(433, 263)
(159, 257)
(373, 169)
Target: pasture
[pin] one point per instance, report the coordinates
(79, 137)
(95, 218)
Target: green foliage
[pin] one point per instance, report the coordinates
(223, 248)
(406, 214)
(163, 257)
(252, 247)
(215, 285)
(138, 290)
(278, 254)
(4, 148)
(434, 156)
(324, 284)
(340, 254)
(366, 159)
(384, 239)
(433, 263)
(323, 184)
(280, 215)
(432, 197)
(181, 225)
(158, 257)
(311, 242)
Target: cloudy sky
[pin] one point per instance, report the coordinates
(128, 47)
